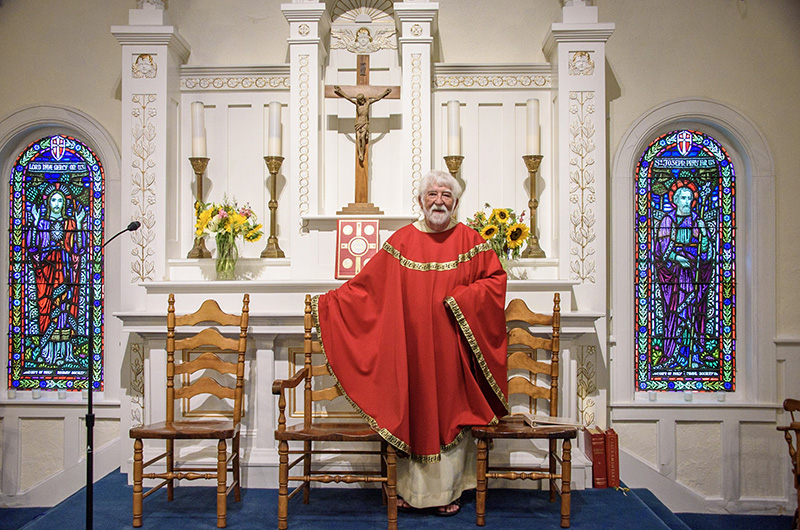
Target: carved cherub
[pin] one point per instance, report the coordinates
(363, 41)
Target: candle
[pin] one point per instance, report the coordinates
(198, 130)
(453, 128)
(274, 144)
(532, 112)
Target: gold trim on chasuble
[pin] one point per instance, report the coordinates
(465, 329)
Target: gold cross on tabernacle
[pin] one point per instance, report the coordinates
(362, 95)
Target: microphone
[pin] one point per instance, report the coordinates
(133, 226)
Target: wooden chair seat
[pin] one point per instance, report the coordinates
(330, 432)
(515, 427)
(186, 430)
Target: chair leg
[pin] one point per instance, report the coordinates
(222, 475)
(552, 458)
(137, 483)
(480, 495)
(170, 468)
(237, 493)
(384, 472)
(307, 471)
(283, 484)
(566, 478)
(391, 486)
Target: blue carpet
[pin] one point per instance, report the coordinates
(705, 521)
(355, 509)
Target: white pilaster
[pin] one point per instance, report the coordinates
(308, 22)
(417, 27)
(576, 50)
(152, 53)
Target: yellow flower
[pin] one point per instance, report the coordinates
(254, 234)
(202, 222)
(517, 234)
(500, 215)
(489, 232)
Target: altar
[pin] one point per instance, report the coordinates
(270, 138)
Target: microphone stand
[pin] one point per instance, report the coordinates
(132, 227)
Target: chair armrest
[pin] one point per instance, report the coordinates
(279, 385)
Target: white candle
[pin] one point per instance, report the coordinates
(198, 130)
(453, 128)
(532, 112)
(274, 143)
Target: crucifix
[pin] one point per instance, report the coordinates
(362, 95)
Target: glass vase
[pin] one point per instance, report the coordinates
(227, 256)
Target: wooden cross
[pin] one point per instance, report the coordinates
(362, 95)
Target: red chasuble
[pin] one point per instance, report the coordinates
(417, 340)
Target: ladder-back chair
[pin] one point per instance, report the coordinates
(792, 406)
(318, 430)
(533, 374)
(196, 366)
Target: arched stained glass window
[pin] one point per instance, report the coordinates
(56, 266)
(685, 288)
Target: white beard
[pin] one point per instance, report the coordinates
(437, 215)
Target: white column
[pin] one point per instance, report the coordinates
(308, 22)
(417, 21)
(576, 49)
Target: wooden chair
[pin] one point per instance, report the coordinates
(792, 406)
(203, 372)
(313, 430)
(536, 380)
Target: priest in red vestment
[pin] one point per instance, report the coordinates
(417, 343)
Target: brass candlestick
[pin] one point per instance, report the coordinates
(199, 165)
(453, 163)
(533, 250)
(273, 250)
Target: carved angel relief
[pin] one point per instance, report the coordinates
(363, 42)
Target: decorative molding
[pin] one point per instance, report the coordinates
(581, 63)
(491, 76)
(235, 78)
(587, 383)
(143, 184)
(582, 186)
(416, 128)
(303, 29)
(416, 30)
(137, 384)
(362, 41)
(303, 166)
(144, 65)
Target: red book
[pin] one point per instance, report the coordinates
(612, 458)
(356, 243)
(595, 445)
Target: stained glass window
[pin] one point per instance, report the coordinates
(56, 266)
(685, 282)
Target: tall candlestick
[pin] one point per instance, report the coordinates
(453, 128)
(533, 142)
(274, 144)
(198, 130)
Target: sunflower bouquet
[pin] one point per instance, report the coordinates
(502, 229)
(226, 222)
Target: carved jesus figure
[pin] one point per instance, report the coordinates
(362, 104)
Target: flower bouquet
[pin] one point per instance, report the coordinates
(226, 222)
(501, 228)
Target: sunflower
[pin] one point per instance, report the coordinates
(489, 231)
(517, 234)
(500, 215)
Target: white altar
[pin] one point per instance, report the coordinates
(409, 136)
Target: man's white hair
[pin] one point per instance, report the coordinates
(439, 178)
